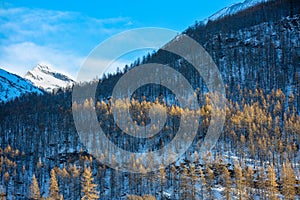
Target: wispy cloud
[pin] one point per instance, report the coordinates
(29, 36)
(19, 58)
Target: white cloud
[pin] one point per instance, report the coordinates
(93, 67)
(19, 58)
(16, 55)
(19, 24)
(63, 39)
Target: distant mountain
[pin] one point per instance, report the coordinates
(47, 79)
(233, 9)
(12, 86)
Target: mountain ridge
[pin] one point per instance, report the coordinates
(13, 86)
(46, 78)
(233, 9)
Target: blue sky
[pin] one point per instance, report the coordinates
(63, 32)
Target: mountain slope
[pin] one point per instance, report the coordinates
(12, 86)
(235, 8)
(47, 79)
(257, 52)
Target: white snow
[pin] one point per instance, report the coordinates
(233, 9)
(45, 77)
(12, 86)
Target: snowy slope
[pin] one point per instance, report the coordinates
(47, 79)
(12, 86)
(235, 8)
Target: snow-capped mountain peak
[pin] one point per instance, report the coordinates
(12, 86)
(43, 67)
(234, 8)
(44, 77)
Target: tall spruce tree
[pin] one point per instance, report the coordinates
(288, 181)
(272, 183)
(53, 188)
(88, 188)
(34, 193)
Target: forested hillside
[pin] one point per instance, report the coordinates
(256, 157)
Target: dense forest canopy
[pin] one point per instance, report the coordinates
(257, 155)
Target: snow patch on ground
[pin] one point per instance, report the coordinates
(233, 9)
